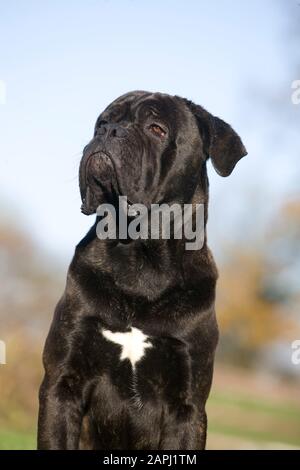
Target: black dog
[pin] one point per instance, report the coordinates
(129, 356)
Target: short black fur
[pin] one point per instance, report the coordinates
(89, 397)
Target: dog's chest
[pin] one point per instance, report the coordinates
(134, 368)
(134, 343)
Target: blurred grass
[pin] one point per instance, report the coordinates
(282, 410)
(10, 440)
(252, 423)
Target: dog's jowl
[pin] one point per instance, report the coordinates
(129, 355)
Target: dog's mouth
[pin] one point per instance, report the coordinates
(87, 206)
(99, 184)
(96, 177)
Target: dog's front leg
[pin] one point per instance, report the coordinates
(60, 414)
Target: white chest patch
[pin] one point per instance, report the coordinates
(133, 343)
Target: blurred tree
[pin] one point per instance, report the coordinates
(30, 285)
(259, 289)
(30, 282)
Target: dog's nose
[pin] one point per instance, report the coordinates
(112, 130)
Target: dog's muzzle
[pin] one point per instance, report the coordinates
(97, 180)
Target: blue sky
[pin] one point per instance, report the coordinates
(64, 61)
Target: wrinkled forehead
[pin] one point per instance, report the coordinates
(134, 102)
(129, 99)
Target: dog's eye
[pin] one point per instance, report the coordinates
(157, 130)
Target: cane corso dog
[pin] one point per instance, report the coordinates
(130, 353)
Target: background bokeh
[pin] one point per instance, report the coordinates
(61, 63)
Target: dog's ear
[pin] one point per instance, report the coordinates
(221, 143)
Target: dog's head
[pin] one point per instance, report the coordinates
(152, 148)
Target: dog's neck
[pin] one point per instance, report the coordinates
(147, 267)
